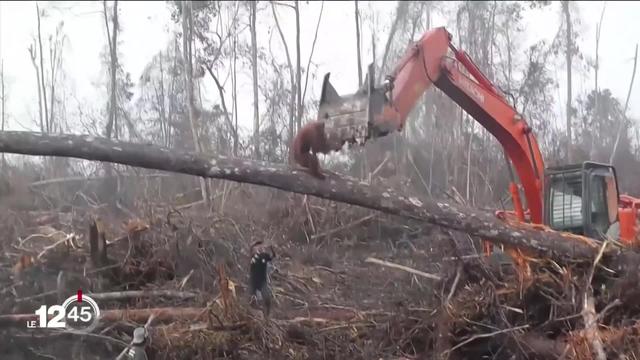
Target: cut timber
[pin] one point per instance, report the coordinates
(546, 243)
(403, 268)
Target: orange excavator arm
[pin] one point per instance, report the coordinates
(375, 111)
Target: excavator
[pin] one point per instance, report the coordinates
(582, 199)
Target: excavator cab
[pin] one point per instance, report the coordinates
(581, 199)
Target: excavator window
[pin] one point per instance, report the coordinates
(599, 204)
(612, 198)
(566, 204)
(581, 198)
(603, 193)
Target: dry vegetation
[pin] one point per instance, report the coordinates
(331, 302)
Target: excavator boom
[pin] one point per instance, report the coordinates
(378, 110)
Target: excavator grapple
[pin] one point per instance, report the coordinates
(350, 119)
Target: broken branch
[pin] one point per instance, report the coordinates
(403, 268)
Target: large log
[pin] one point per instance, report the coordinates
(545, 243)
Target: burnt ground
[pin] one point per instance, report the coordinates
(320, 273)
(330, 302)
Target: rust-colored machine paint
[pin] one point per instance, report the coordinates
(375, 111)
(629, 217)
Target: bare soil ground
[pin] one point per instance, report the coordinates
(330, 303)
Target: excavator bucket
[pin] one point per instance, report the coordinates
(349, 118)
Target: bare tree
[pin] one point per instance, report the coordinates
(254, 65)
(187, 39)
(298, 70)
(569, 55)
(401, 13)
(623, 118)
(234, 85)
(33, 55)
(313, 47)
(225, 110)
(292, 106)
(44, 90)
(596, 68)
(164, 125)
(112, 38)
(358, 44)
(3, 104)
(172, 88)
(55, 61)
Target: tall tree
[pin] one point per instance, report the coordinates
(596, 68)
(292, 104)
(234, 90)
(298, 69)
(357, 13)
(110, 184)
(3, 105)
(42, 82)
(622, 123)
(56, 46)
(401, 14)
(569, 56)
(187, 39)
(254, 68)
(34, 54)
(112, 38)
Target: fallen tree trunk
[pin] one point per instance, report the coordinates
(545, 243)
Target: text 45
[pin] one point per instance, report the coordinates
(59, 316)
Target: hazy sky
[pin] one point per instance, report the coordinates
(145, 31)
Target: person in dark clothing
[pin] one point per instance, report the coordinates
(258, 280)
(137, 350)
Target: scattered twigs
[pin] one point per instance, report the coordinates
(403, 268)
(341, 228)
(607, 308)
(68, 239)
(455, 284)
(595, 262)
(480, 336)
(21, 242)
